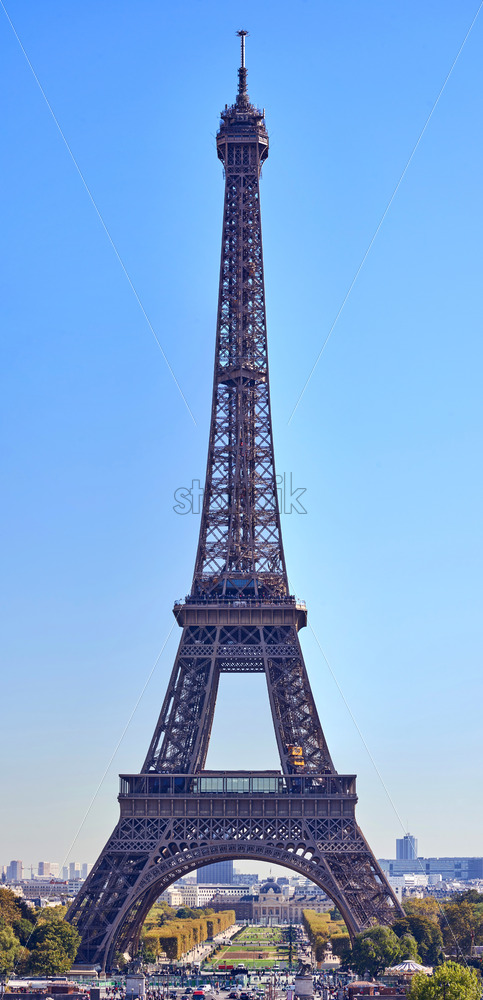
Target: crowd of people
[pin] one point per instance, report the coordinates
(326, 990)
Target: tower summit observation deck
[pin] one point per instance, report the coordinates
(239, 617)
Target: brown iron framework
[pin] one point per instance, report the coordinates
(238, 618)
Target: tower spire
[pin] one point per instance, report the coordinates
(242, 96)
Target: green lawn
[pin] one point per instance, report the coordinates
(246, 946)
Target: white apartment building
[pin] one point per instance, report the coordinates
(200, 895)
(172, 897)
(398, 885)
(46, 888)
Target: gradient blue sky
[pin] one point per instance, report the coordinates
(386, 439)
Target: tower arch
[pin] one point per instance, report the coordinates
(124, 935)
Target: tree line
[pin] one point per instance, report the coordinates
(40, 942)
(429, 933)
(322, 928)
(173, 934)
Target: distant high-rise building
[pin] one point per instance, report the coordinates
(85, 869)
(14, 871)
(460, 869)
(65, 873)
(44, 868)
(406, 848)
(74, 869)
(220, 873)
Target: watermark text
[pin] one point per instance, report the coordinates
(189, 499)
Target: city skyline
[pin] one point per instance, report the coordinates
(96, 554)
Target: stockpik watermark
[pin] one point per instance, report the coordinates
(189, 499)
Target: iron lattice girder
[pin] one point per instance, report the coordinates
(240, 525)
(181, 738)
(159, 838)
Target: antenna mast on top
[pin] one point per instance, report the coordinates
(242, 73)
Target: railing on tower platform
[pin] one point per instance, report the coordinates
(239, 601)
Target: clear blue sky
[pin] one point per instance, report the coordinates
(386, 439)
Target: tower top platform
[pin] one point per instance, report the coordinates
(242, 122)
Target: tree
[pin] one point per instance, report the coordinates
(319, 945)
(427, 907)
(427, 935)
(462, 927)
(408, 949)
(23, 929)
(374, 950)
(470, 896)
(162, 913)
(448, 982)
(341, 946)
(12, 908)
(10, 950)
(316, 925)
(49, 914)
(171, 944)
(53, 947)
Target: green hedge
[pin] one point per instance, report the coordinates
(321, 929)
(176, 937)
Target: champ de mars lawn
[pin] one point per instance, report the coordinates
(255, 947)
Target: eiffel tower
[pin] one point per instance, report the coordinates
(238, 618)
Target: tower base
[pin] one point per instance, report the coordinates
(173, 824)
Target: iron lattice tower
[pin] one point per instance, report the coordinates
(238, 618)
